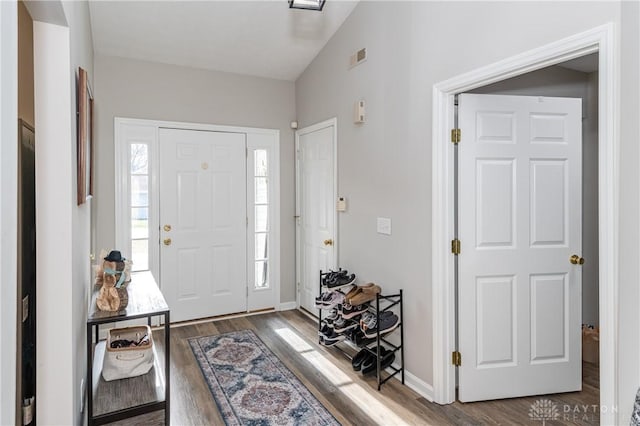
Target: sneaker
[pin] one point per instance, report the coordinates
(324, 330)
(349, 311)
(369, 319)
(341, 281)
(331, 317)
(322, 300)
(343, 326)
(336, 298)
(332, 339)
(387, 324)
(332, 275)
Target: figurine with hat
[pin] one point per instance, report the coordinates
(113, 273)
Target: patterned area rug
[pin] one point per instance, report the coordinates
(252, 386)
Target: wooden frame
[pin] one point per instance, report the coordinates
(85, 138)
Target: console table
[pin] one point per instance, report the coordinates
(124, 398)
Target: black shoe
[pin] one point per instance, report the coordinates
(332, 339)
(386, 324)
(341, 281)
(370, 364)
(349, 311)
(386, 359)
(359, 358)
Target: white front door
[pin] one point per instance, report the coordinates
(519, 212)
(316, 208)
(203, 222)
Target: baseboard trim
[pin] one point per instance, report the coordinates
(421, 387)
(288, 306)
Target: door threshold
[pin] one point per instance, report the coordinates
(221, 317)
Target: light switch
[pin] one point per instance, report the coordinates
(384, 226)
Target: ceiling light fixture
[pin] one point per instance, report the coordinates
(306, 4)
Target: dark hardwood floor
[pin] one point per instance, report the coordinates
(352, 398)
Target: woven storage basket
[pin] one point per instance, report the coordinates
(132, 361)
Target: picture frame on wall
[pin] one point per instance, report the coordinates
(85, 137)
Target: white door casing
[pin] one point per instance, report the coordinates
(316, 195)
(520, 198)
(203, 199)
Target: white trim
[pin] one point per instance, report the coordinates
(147, 131)
(8, 208)
(604, 40)
(309, 129)
(288, 306)
(418, 385)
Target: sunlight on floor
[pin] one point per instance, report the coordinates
(375, 409)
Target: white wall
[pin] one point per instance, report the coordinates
(385, 165)
(139, 89)
(629, 251)
(8, 207)
(561, 82)
(63, 227)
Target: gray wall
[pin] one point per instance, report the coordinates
(562, 82)
(138, 89)
(385, 165)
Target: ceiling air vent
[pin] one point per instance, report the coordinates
(357, 58)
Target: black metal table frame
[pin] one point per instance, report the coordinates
(139, 409)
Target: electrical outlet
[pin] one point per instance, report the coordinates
(384, 226)
(82, 395)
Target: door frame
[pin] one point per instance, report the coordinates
(147, 131)
(305, 130)
(603, 40)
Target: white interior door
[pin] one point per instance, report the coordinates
(316, 204)
(519, 212)
(203, 222)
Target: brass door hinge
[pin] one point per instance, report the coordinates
(455, 136)
(455, 246)
(456, 358)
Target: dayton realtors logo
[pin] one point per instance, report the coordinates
(544, 410)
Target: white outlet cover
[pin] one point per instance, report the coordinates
(384, 226)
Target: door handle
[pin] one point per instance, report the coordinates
(576, 260)
(167, 241)
(167, 228)
(328, 242)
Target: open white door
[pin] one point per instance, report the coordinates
(520, 221)
(203, 222)
(316, 204)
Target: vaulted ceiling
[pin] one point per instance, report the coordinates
(261, 38)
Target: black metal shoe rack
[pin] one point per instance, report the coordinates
(383, 303)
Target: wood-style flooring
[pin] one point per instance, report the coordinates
(351, 398)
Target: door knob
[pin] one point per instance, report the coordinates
(328, 242)
(167, 228)
(167, 241)
(576, 260)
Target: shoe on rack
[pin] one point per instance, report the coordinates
(332, 339)
(351, 292)
(343, 326)
(332, 275)
(358, 337)
(369, 319)
(359, 358)
(324, 330)
(322, 300)
(386, 324)
(331, 317)
(367, 294)
(336, 298)
(386, 359)
(341, 281)
(350, 311)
